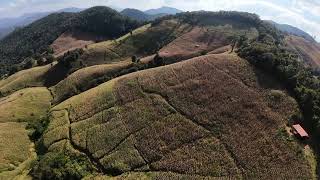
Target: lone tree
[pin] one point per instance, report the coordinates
(134, 59)
(158, 60)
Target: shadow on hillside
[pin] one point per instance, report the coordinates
(57, 73)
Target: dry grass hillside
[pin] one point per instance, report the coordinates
(308, 51)
(17, 151)
(213, 116)
(189, 42)
(201, 40)
(34, 77)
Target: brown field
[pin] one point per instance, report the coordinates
(308, 51)
(212, 116)
(71, 40)
(203, 40)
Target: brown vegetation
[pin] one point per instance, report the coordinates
(308, 51)
(206, 117)
(72, 40)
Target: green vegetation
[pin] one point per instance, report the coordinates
(59, 166)
(15, 146)
(205, 18)
(21, 115)
(25, 105)
(269, 53)
(34, 77)
(35, 39)
(144, 41)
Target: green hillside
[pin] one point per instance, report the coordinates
(35, 39)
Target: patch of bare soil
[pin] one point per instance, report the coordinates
(72, 40)
(196, 41)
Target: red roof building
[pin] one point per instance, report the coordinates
(299, 131)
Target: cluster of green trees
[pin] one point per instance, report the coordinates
(214, 18)
(37, 37)
(269, 53)
(60, 166)
(104, 21)
(71, 59)
(31, 40)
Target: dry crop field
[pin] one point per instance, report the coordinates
(205, 117)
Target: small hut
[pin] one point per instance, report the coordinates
(299, 131)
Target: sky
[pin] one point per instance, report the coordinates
(304, 14)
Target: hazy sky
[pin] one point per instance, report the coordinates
(304, 14)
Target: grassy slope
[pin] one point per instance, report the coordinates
(24, 105)
(84, 79)
(16, 149)
(185, 118)
(33, 77)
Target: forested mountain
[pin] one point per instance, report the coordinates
(7, 25)
(140, 15)
(35, 38)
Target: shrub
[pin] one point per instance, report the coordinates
(37, 128)
(158, 60)
(61, 166)
(134, 59)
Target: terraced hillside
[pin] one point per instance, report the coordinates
(205, 117)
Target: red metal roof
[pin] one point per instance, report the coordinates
(300, 130)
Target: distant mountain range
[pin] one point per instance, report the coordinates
(292, 30)
(7, 25)
(163, 10)
(140, 15)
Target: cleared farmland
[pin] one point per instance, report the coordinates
(214, 116)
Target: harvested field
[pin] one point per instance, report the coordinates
(71, 40)
(208, 117)
(308, 51)
(33, 77)
(203, 40)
